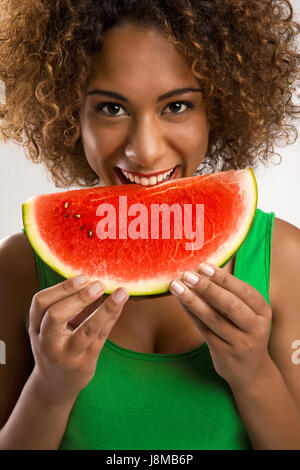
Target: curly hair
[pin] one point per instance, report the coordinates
(243, 54)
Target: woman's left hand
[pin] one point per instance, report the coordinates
(234, 320)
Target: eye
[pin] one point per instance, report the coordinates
(114, 107)
(188, 105)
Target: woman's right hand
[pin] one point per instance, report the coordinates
(66, 359)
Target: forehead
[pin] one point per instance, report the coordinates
(133, 55)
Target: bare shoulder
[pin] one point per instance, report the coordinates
(285, 303)
(18, 284)
(285, 257)
(18, 272)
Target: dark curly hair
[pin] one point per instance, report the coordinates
(242, 52)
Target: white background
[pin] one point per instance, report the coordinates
(278, 185)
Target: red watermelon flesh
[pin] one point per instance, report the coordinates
(63, 228)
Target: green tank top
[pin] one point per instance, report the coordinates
(141, 401)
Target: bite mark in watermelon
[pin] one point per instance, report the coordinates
(62, 229)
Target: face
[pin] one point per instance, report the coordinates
(143, 110)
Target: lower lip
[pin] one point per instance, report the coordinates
(124, 181)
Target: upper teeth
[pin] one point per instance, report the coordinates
(146, 181)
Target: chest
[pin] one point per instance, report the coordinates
(174, 333)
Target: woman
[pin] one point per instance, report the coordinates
(94, 88)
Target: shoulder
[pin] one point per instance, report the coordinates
(286, 229)
(285, 237)
(285, 261)
(18, 272)
(18, 284)
(285, 305)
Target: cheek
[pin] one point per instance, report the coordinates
(98, 144)
(193, 138)
(192, 143)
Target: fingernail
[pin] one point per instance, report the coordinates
(79, 280)
(190, 277)
(95, 288)
(177, 287)
(119, 295)
(206, 269)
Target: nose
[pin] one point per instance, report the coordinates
(146, 144)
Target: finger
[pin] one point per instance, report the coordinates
(86, 312)
(205, 313)
(98, 325)
(244, 291)
(226, 303)
(209, 337)
(56, 318)
(43, 299)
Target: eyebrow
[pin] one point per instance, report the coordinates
(169, 94)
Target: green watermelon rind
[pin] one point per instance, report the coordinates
(162, 286)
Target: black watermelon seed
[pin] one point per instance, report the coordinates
(82, 227)
(66, 216)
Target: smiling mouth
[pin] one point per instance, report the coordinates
(129, 178)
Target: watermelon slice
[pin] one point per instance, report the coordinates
(118, 235)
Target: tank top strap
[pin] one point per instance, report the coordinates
(252, 264)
